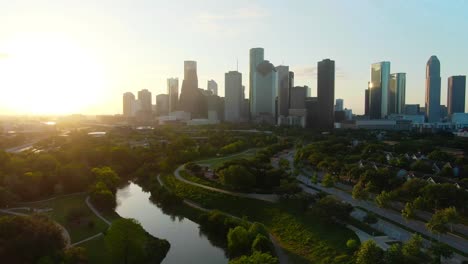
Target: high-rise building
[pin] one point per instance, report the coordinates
(412, 109)
(173, 92)
(366, 100)
(432, 102)
(191, 99)
(456, 94)
(128, 103)
(326, 93)
(212, 86)
(397, 93)
(339, 105)
(298, 97)
(283, 90)
(162, 104)
(233, 96)
(313, 112)
(378, 90)
(144, 96)
(256, 57)
(265, 81)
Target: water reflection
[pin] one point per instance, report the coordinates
(189, 243)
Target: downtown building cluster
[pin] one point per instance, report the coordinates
(273, 98)
(385, 101)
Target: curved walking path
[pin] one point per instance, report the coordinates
(282, 257)
(272, 198)
(96, 212)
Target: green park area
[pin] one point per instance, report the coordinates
(218, 161)
(304, 237)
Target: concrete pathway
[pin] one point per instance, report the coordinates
(96, 212)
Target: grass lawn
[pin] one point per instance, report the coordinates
(60, 208)
(305, 238)
(97, 251)
(216, 162)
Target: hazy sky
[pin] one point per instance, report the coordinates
(69, 56)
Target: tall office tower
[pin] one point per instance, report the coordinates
(411, 109)
(212, 86)
(339, 105)
(378, 90)
(397, 92)
(456, 94)
(291, 79)
(233, 96)
(191, 99)
(256, 57)
(162, 104)
(265, 81)
(366, 100)
(432, 102)
(144, 96)
(128, 102)
(298, 97)
(283, 90)
(173, 92)
(326, 93)
(313, 112)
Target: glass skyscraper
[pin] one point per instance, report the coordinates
(432, 102)
(256, 57)
(456, 94)
(397, 93)
(379, 90)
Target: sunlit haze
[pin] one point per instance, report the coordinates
(80, 56)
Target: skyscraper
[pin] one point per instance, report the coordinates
(298, 97)
(162, 104)
(256, 57)
(212, 86)
(265, 82)
(456, 94)
(283, 90)
(191, 99)
(233, 96)
(378, 90)
(173, 92)
(128, 103)
(432, 102)
(397, 93)
(326, 92)
(144, 96)
(366, 100)
(339, 105)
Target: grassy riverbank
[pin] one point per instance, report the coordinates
(304, 237)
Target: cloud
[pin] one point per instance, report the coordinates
(310, 72)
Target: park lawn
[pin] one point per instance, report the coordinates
(304, 237)
(60, 208)
(97, 251)
(216, 162)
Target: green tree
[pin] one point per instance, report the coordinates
(313, 178)
(239, 241)
(352, 244)
(383, 199)
(439, 251)
(126, 241)
(107, 176)
(237, 176)
(27, 239)
(369, 253)
(408, 211)
(412, 249)
(441, 219)
(394, 255)
(262, 243)
(256, 258)
(360, 192)
(75, 255)
(328, 180)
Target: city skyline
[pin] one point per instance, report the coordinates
(143, 61)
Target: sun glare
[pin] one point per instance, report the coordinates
(48, 74)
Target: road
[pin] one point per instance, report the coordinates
(272, 198)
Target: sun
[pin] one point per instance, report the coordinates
(44, 73)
